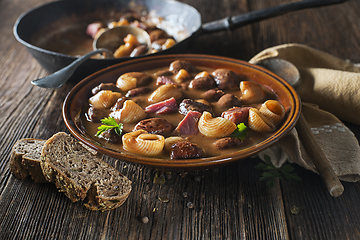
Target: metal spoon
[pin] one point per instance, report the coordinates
(107, 42)
(290, 73)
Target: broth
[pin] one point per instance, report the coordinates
(204, 142)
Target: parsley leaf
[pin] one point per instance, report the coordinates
(109, 123)
(240, 132)
(271, 173)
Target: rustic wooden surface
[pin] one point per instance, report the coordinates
(225, 203)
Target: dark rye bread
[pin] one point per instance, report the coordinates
(25, 159)
(82, 175)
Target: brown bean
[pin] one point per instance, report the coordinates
(228, 100)
(213, 95)
(139, 50)
(202, 83)
(226, 79)
(175, 66)
(227, 142)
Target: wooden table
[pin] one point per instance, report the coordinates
(223, 203)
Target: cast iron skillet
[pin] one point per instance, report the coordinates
(79, 13)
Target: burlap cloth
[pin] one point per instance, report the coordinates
(330, 91)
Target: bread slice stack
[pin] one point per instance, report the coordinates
(76, 171)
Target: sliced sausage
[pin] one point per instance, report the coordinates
(155, 126)
(185, 150)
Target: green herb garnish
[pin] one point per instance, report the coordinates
(271, 172)
(110, 123)
(240, 131)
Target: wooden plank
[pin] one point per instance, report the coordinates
(225, 203)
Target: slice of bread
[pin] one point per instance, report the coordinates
(82, 175)
(25, 159)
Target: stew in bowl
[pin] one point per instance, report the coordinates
(181, 111)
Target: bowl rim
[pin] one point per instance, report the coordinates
(185, 164)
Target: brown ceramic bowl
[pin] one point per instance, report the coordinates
(80, 94)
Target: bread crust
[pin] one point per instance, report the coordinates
(82, 175)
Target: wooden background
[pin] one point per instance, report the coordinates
(223, 203)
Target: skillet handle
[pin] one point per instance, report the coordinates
(233, 22)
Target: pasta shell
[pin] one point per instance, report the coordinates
(165, 92)
(215, 127)
(143, 143)
(129, 113)
(259, 122)
(132, 80)
(172, 140)
(104, 99)
(273, 110)
(126, 82)
(251, 92)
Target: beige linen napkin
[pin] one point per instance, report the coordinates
(329, 87)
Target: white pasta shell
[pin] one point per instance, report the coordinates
(104, 99)
(251, 92)
(165, 92)
(273, 110)
(126, 82)
(215, 127)
(259, 122)
(171, 141)
(132, 80)
(143, 143)
(129, 113)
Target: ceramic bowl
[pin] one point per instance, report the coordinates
(79, 95)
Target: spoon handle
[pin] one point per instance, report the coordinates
(318, 157)
(58, 78)
(72, 67)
